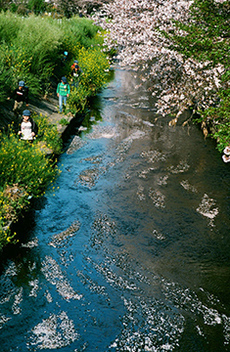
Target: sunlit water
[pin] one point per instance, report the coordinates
(132, 251)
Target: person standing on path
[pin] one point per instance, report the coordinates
(20, 96)
(63, 91)
(76, 73)
(28, 127)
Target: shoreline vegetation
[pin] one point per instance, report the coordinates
(32, 50)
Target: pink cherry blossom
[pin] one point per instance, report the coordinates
(134, 28)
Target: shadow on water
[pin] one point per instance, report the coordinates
(24, 229)
(90, 116)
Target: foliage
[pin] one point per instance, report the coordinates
(32, 48)
(207, 40)
(25, 164)
(219, 119)
(64, 122)
(181, 47)
(77, 99)
(16, 6)
(95, 66)
(79, 32)
(67, 8)
(47, 132)
(25, 173)
(37, 6)
(207, 33)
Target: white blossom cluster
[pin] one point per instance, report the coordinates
(134, 29)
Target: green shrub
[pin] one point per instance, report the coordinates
(25, 164)
(9, 27)
(95, 67)
(32, 48)
(48, 133)
(64, 122)
(26, 173)
(77, 99)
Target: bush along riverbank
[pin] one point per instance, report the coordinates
(32, 51)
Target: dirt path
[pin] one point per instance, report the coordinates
(47, 108)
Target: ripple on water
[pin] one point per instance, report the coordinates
(207, 208)
(158, 235)
(59, 238)
(188, 187)
(140, 193)
(153, 156)
(3, 320)
(204, 309)
(157, 197)
(149, 326)
(183, 166)
(89, 177)
(76, 144)
(102, 132)
(103, 227)
(162, 180)
(17, 301)
(30, 244)
(54, 332)
(54, 275)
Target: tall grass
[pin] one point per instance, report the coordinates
(32, 48)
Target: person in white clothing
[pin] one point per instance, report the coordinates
(28, 127)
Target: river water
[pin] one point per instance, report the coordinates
(130, 251)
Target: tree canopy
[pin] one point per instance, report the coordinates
(182, 48)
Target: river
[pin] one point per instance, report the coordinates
(130, 248)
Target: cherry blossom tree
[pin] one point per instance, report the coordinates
(147, 35)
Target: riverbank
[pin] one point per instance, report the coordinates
(16, 196)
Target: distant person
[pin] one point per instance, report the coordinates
(64, 57)
(63, 91)
(28, 127)
(75, 69)
(20, 96)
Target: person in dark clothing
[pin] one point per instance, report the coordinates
(28, 127)
(76, 72)
(75, 69)
(20, 96)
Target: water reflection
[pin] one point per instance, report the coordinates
(132, 251)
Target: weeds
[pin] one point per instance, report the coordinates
(25, 173)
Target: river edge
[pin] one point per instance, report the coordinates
(44, 107)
